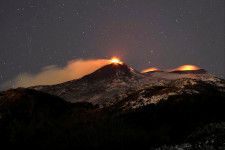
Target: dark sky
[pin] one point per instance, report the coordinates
(143, 33)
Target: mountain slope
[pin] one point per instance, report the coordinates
(134, 110)
(31, 118)
(114, 82)
(98, 87)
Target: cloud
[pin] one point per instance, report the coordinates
(53, 74)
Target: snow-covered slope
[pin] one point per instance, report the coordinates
(98, 87)
(155, 93)
(116, 82)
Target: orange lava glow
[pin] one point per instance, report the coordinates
(186, 67)
(115, 60)
(149, 69)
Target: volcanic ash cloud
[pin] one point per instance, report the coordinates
(54, 74)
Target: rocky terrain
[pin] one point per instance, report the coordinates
(114, 82)
(117, 107)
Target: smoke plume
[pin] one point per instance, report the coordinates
(53, 74)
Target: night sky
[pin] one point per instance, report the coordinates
(142, 33)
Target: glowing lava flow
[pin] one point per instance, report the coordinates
(149, 69)
(186, 67)
(115, 60)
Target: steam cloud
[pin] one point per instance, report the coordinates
(53, 74)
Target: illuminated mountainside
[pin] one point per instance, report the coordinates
(98, 87)
(115, 81)
(134, 110)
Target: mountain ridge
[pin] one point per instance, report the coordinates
(117, 107)
(109, 83)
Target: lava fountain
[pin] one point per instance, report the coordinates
(115, 60)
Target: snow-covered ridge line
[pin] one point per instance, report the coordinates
(112, 83)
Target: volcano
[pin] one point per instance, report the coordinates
(112, 71)
(117, 104)
(115, 81)
(99, 87)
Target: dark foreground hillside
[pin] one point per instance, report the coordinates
(32, 119)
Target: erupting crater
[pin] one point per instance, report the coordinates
(115, 60)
